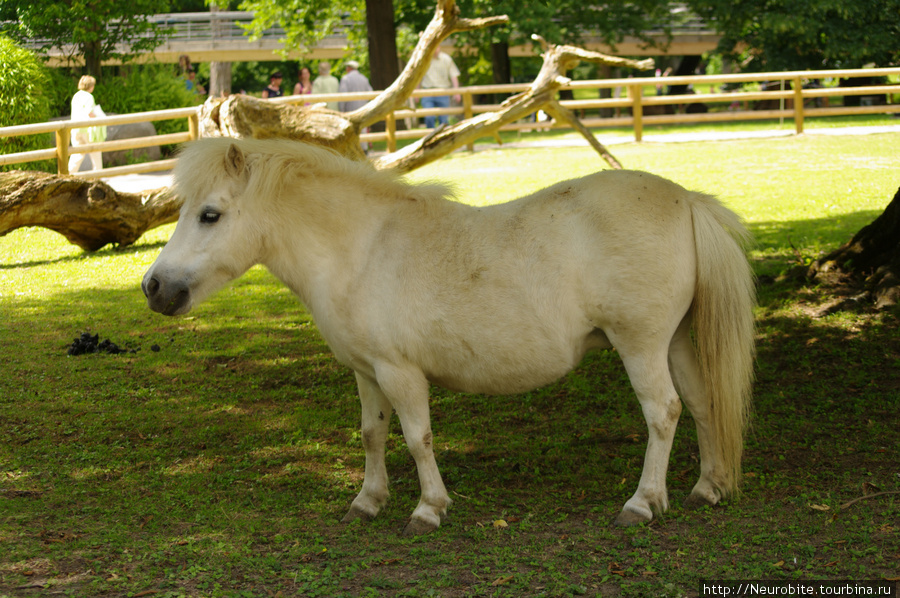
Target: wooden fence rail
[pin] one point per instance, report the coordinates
(633, 108)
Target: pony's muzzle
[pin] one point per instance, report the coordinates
(169, 299)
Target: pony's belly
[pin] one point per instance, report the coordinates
(502, 376)
(499, 385)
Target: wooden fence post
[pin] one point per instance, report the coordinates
(467, 114)
(62, 150)
(194, 125)
(637, 110)
(390, 128)
(798, 105)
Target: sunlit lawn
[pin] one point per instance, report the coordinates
(220, 464)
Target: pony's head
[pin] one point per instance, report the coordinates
(216, 239)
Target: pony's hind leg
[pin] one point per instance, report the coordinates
(649, 375)
(376, 418)
(407, 389)
(685, 371)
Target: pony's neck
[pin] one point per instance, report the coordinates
(316, 243)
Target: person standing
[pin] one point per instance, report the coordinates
(191, 83)
(353, 81)
(84, 107)
(304, 82)
(274, 88)
(326, 83)
(442, 74)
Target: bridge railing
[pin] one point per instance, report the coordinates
(634, 104)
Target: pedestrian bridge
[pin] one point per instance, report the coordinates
(222, 36)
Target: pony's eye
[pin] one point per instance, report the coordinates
(209, 217)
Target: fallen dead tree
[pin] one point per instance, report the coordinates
(92, 215)
(89, 214)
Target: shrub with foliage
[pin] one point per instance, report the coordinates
(125, 90)
(23, 96)
(143, 89)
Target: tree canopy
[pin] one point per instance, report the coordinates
(90, 28)
(23, 95)
(306, 22)
(806, 34)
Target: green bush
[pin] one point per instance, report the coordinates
(129, 89)
(23, 83)
(143, 89)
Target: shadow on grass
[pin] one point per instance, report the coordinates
(826, 232)
(235, 448)
(109, 250)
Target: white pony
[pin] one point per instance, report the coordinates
(410, 288)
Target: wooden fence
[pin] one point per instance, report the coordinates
(634, 104)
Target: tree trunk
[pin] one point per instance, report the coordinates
(219, 72)
(502, 72)
(219, 79)
(92, 61)
(245, 116)
(382, 35)
(871, 258)
(89, 214)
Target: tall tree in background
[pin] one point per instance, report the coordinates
(806, 34)
(219, 72)
(98, 30)
(306, 22)
(384, 65)
(557, 21)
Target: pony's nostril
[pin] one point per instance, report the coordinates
(152, 287)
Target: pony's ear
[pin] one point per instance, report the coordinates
(234, 162)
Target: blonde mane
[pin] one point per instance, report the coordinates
(277, 165)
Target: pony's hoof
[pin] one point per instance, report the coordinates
(629, 518)
(418, 527)
(356, 513)
(697, 501)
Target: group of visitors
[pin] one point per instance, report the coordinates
(325, 83)
(442, 74)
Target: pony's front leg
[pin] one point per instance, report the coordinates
(376, 418)
(407, 389)
(661, 406)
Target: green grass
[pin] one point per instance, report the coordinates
(220, 464)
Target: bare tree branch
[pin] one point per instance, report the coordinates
(92, 214)
(542, 94)
(445, 22)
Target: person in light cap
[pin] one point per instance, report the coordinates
(353, 81)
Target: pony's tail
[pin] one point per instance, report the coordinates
(724, 328)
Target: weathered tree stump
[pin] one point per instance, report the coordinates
(870, 259)
(245, 116)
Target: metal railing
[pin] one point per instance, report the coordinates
(636, 107)
(200, 30)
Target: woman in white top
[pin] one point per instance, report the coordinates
(83, 106)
